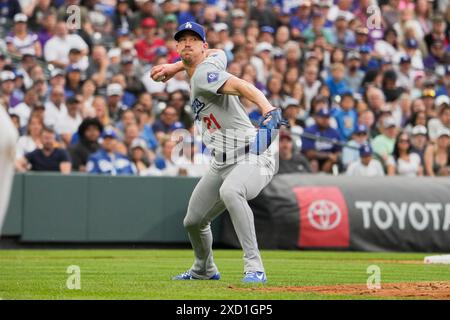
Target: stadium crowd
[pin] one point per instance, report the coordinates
(364, 93)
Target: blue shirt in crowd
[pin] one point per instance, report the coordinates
(109, 163)
(323, 146)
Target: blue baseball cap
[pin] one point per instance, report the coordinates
(412, 43)
(190, 26)
(109, 133)
(405, 59)
(365, 150)
(73, 67)
(268, 29)
(365, 49)
(324, 112)
(361, 128)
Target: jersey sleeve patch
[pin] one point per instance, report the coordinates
(212, 76)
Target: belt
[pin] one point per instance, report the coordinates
(234, 154)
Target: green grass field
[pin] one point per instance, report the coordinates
(145, 274)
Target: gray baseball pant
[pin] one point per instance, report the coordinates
(230, 189)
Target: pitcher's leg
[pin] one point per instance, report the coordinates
(8, 140)
(204, 205)
(244, 183)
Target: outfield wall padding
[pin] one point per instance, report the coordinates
(367, 214)
(293, 211)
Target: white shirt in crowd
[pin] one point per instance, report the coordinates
(25, 144)
(52, 113)
(57, 49)
(406, 168)
(66, 124)
(434, 126)
(357, 169)
(23, 111)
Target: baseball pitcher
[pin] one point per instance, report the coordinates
(241, 165)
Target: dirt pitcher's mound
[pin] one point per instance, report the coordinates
(422, 290)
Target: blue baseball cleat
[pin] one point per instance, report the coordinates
(258, 276)
(188, 276)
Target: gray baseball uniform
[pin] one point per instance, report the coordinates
(234, 177)
(8, 140)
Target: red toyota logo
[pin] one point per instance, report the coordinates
(323, 217)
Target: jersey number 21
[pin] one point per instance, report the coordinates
(211, 120)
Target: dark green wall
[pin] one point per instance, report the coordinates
(90, 208)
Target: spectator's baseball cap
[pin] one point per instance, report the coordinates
(190, 26)
(7, 75)
(353, 55)
(109, 133)
(285, 135)
(170, 18)
(120, 32)
(161, 51)
(149, 23)
(127, 60)
(405, 59)
(72, 100)
(442, 99)
(324, 113)
(114, 89)
(412, 43)
(341, 17)
(20, 17)
(305, 3)
(278, 53)
(238, 13)
(138, 143)
(419, 130)
(219, 27)
(361, 128)
(365, 49)
(56, 72)
(73, 68)
(289, 101)
(267, 29)
(362, 30)
(443, 132)
(114, 53)
(365, 150)
(389, 122)
(263, 46)
(345, 93)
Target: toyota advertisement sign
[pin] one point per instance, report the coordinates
(369, 214)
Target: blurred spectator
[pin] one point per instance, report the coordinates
(114, 92)
(291, 160)
(291, 112)
(20, 41)
(322, 153)
(165, 161)
(419, 141)
(404, 161)
(437, 156)
(47, 158)
(67, 124)
(360, 137)
(139, 158)
(383, 144)
(346, 116)
(99, 65)
(106, 160)
(56, 50)
(55, 107)
(336, 81)
(443, 121)
(167, 123)
(88, 135)
(23, 109)
(366, 166)
(32, 139)
(179, 100)
(354, 74)
(263, 14)
(147, 46)
(7, 98)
